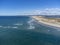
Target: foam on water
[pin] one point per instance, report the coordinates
(9, 27)
(31, 27)
(1, 26)
(48, 30)
(15, 27)
(18, 24)
(56, 28)
(31, 24)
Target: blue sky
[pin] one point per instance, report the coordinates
(21, 7)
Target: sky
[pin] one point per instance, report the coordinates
(29, 7)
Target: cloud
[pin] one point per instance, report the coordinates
(46, 11)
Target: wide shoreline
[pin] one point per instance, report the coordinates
(46, 23)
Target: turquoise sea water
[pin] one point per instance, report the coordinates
(24, 30)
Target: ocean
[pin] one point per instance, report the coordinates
(24, 30)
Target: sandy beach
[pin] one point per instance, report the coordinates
(39, 19)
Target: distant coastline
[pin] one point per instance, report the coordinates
(48, 21)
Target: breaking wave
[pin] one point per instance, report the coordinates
(8, 27)
(31, 27)
(18, 24)
(31, 24)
